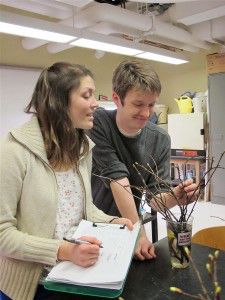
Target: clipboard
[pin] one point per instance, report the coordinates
(102, 267)
(84, 290)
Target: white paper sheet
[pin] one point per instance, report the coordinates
(114, 260)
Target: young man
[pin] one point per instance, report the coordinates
(125, 136)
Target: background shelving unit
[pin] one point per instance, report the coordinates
(189, 167)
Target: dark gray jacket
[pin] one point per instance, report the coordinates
(114, 155)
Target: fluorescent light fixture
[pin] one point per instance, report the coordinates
(161, 58)
(97, 41)
(112, 44)
(55, 32)
(107, 47)
(35, 28)
(161, 55)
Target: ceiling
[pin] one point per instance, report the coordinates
(176, 25)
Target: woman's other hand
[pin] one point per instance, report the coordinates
(123, 221)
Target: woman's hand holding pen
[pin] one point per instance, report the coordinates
(84, 255)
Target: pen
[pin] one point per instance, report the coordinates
(79, 242)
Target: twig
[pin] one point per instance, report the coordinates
(205, 293)
(164, 190)
(217, 218)
(179, 291)
(212, 270)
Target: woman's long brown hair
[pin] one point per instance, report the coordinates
(64, 144)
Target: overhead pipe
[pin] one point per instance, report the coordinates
(60, 10)
(161, 1)
(114, 29)
(102, 27)
(211, 31)
(187, 14)
(119, 16)
(136, 21)
(217, 28)
(77, 3)
(45, 8)
(58, 47)
(175, 33)
(30, 44)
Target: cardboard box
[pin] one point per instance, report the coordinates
(216, 63)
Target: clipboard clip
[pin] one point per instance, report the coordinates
(148, 217)
(100, 224)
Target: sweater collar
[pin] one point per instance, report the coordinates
(29, 134)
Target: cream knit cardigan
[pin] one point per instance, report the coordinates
(28, 207)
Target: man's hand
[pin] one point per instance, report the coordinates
(186, 192)
(145, 249)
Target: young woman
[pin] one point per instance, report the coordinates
(45, 183)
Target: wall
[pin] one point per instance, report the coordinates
(178, 79)
(175, 79)
(12, 53)
(17, 86)
(174, 87)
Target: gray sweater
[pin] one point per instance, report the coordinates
(114, 155)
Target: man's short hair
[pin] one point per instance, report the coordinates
(135, 75)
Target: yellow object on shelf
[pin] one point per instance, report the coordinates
(185, 104)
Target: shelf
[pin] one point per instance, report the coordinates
(188, 158)
(186, 167)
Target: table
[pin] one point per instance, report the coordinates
(150, 280)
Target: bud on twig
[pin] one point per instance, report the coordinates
(175, 290)
(209, 269)
(218, 290)
(187, 251)
(216, 254)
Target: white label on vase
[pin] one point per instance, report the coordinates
(184, 238)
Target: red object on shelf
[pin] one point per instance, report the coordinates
(187, 153)
(190, 153)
